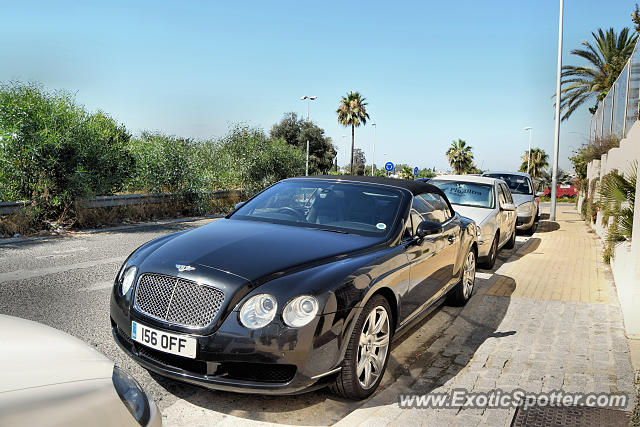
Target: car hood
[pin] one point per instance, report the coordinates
(519, 199)
(251, 250)
(475, 213)
(35, 355)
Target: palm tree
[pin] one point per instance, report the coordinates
(607, 58)
(539, 160)
(352, 111)
(406, 173)
(545, 179)
(460, 156)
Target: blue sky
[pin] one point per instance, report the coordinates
(432, 71)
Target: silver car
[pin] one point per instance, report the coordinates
(524, 197)
(488, 202)
(49, 378)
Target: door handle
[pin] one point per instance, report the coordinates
(451, 238)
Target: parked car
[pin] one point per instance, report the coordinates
(564, 191)
(488, 202)
(304, 285)
(524, 197)
(49, 378)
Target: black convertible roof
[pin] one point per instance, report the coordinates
(416, 187)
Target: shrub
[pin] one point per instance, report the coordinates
(53, 151)
(163, 164)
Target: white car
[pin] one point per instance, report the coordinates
(488, 202)
(49, 378)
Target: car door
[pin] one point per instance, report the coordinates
(511, 215)
(429, 266)
(502, 215)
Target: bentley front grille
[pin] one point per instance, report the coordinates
(178, 301)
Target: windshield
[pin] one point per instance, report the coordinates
(518, 184)
(467, 193)
(367, 210)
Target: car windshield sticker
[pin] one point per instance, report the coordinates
(381, 225)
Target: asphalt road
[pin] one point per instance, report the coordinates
(65, 282)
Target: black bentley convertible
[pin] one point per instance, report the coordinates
(303, 286)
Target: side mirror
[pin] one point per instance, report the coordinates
(428, 228)
(238, 206)
(508, 207)
(540, 194)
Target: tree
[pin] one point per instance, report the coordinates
(545, 179)
(425, 173)
(352, 112)
(406, 173)
(607, 59)
(296, 131)
(539, 160)
(635, 17)
(460, 156)
(359, 162)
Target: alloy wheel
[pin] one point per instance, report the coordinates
(469, 274)
(373, 347)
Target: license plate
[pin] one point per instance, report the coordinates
(159, 340)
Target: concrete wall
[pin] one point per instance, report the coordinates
(626, 262)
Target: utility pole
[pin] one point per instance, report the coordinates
(529, 128)
(556, 145)
(308, 99)
(373, 156)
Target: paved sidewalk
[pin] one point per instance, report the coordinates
(545, 321)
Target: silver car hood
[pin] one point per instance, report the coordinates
(519, 199)
(35, 355)
(475, 213)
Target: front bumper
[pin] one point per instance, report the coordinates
(525, 222)
(275, 359)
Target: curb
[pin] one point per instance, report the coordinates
(109, 229)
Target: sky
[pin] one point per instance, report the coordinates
(432, 71)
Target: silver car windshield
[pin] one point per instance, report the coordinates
(467, 193)
(362, 209)
(518, 184)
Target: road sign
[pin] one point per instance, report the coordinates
(388, 166)
(415, 171)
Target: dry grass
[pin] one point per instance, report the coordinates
(25, 222)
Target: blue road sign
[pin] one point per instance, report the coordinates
(415, 171)
(388, 166)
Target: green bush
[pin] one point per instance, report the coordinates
(246, 158)
(163, 164)
(53, 151)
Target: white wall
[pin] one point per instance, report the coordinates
(626, 263)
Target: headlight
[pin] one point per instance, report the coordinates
(258, 311)
(127, 279)
(525, 208)
(300, 311)
(131, 395)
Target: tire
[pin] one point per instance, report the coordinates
(462, 291)
(493, 254)
(512, 240)
(350, 383)
(529, 231)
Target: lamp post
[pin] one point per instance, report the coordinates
(529, 128)
(344, 138)
(308, 99)
(556, 145)
(373, 156)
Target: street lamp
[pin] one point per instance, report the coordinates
(529, 128)
(308, 99)
(556, 145)
(373, 156)
(344, 138)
